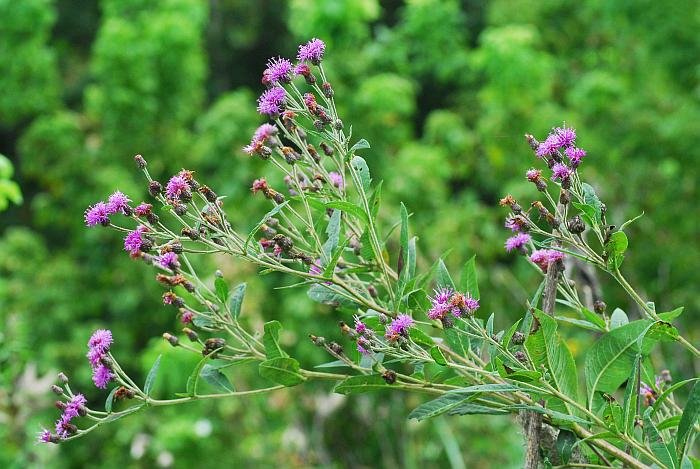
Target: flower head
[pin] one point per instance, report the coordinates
(400, 325)
(463, 304)
(545, 257)
(63, 428)
(118, 202)
(565, 136)
(102, 376)
(336, 179)
(515, 223)
(364, 345)
(177, 185)
(187, 317)
(312, 51)
(143, 209)
(169, 261)
(134, 240)
(97, 214)
(560, 171)
(518, 241)
(440, 303)
(45, 436)
(271, 102)
(100, 340)
(73, 407)
(533, 174)
(360, 327)
(278, 70)
(575, 155)
(259, 185)
(548, 147)
(302, 69)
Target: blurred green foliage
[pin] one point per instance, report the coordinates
(443, 90)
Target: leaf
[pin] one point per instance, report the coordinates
(618, 318)
(690, 416)
(264, 220)
(333, 232)
(420, 337)
(594, 318)
(215, 378)
(271, 340)
(469, 281)
(556, 415)
(366, 250)
(546, 348)
(375, 200)
(467, 408)
(324, 295)
(151, 377)
(334, 364)
(110, 399)
(360, 384)
(437, 355)
(194, 376)
(610, 359)
(565, 445)
(236, 300)
(578, 322)
(360, 145)
(615, 249)
(671, 315)
(281, 370)
(488, 388)
(442, 276)
(588, 212)
(349, 208)
(459, 343)
(359, 165)
(629, 408)
(628, 222)
(656, 442)
(667, 391)
(524, 376)
(438, 406)
(403, 252)
(221, 289)
(591, 199)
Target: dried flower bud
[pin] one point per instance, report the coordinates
(518, 338)
(389, 376)
(532, 141)
(338, 124)
(564, 197)
(284, 242)
(666, 376)
(383, 318)
(327, 149)
(62, 378)
(208, 194)
(180, 209)
(599, 306)
(60, 405)
(520, 356)
(57, 390)
(192, 335)
(140, 161)
(174, 341)
(318, 341)
(344, 328)
(276, 196)
(576, 225)
(372, 291)
(155, 188)
(336, 348)
(327, 90)
(193, 235)
(212, 344)
(152, 218)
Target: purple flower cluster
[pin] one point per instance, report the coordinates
(169, 260)
(546, 257)
(519, 241)
(278, 70)
(336, 179)
(364, 334)
(98, 214)
(64, 428)
(399, 327)
(446, 301)
(312, 51)
(134, 240)
(177, 186)
(271, 102)
(560, 139)
(260, 137)
(99, 345)
(648, 393)
(560, 171)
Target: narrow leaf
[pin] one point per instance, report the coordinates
(151, 377)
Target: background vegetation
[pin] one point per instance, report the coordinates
(442, 89)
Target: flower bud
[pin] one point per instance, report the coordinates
(564, 197)
(209, 194)
(174, 341)
(327, 90)
(192, 335)
(372, 291)
(318, 341)
(193, 235)
(336, 348)
(599, 306)
(338, 124)
(180, 209)
(152, 218)
(140, 161)
(518, 338)
(213, 344)
(576, 225)
(666, 376)
(155, 188)
(62, 378)
(57, 390)
(520, 356)
(327, 149)
(389, 376)
(60, 405)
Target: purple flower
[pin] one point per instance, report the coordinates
(364, 346)
(315, 269)
(565, 136)
(470, 304)
(102, 376)
(360, 327)
(514, 224)
(100, 340)
(176, 186)
(440, 303)
(259, 185)
(545, 257)
(278, 70)
(97, 214)
(187, 317)
(518, 241)
(134, 240)
(118, 202)
(548, 147)
(271, 102)
(62, 428)
(533, 174)
(575, 155)
(94, 356)
(312, 51)
(169, 261)
(302, 70)
(143, 209)
(399, 326)
(560, 171)
(336, 179)
(73, 407)
(45, 436)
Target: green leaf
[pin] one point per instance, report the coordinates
(264, 220)
(360, 384)
(366, 250)
(546, 348)
(578, 322)
(565, 445)
(420, 337)
(618, 318)
(360, 145)
(333, 232)
(349, 208)
(439, 406)
(656, 442)
(628, 222)
(555, 415)
(110, 399)
(281, 370)
(221, 289)
(591, 199)
(442, 276)
(610, 359)
(467, 408)
(615, 249)
(375, 200)
(151, 377)
(594, 318)
(588, 214)
(215, 378)
(524, 376)
(671, 315)
(194, 376)
(459, 343)
(629, 408)
(667, 391)
(324, 295)
(437, 355)
(690, 416)
(271, 340)
(236, 300)
(469, 281)
(360, 167)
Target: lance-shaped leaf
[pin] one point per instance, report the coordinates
(236, 300)
(690, 416)
(271, 340)
(281, 370)
(361, 384)
(151, 378)
(656, 442)
(469, 281)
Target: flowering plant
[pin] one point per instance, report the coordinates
(402, 323)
